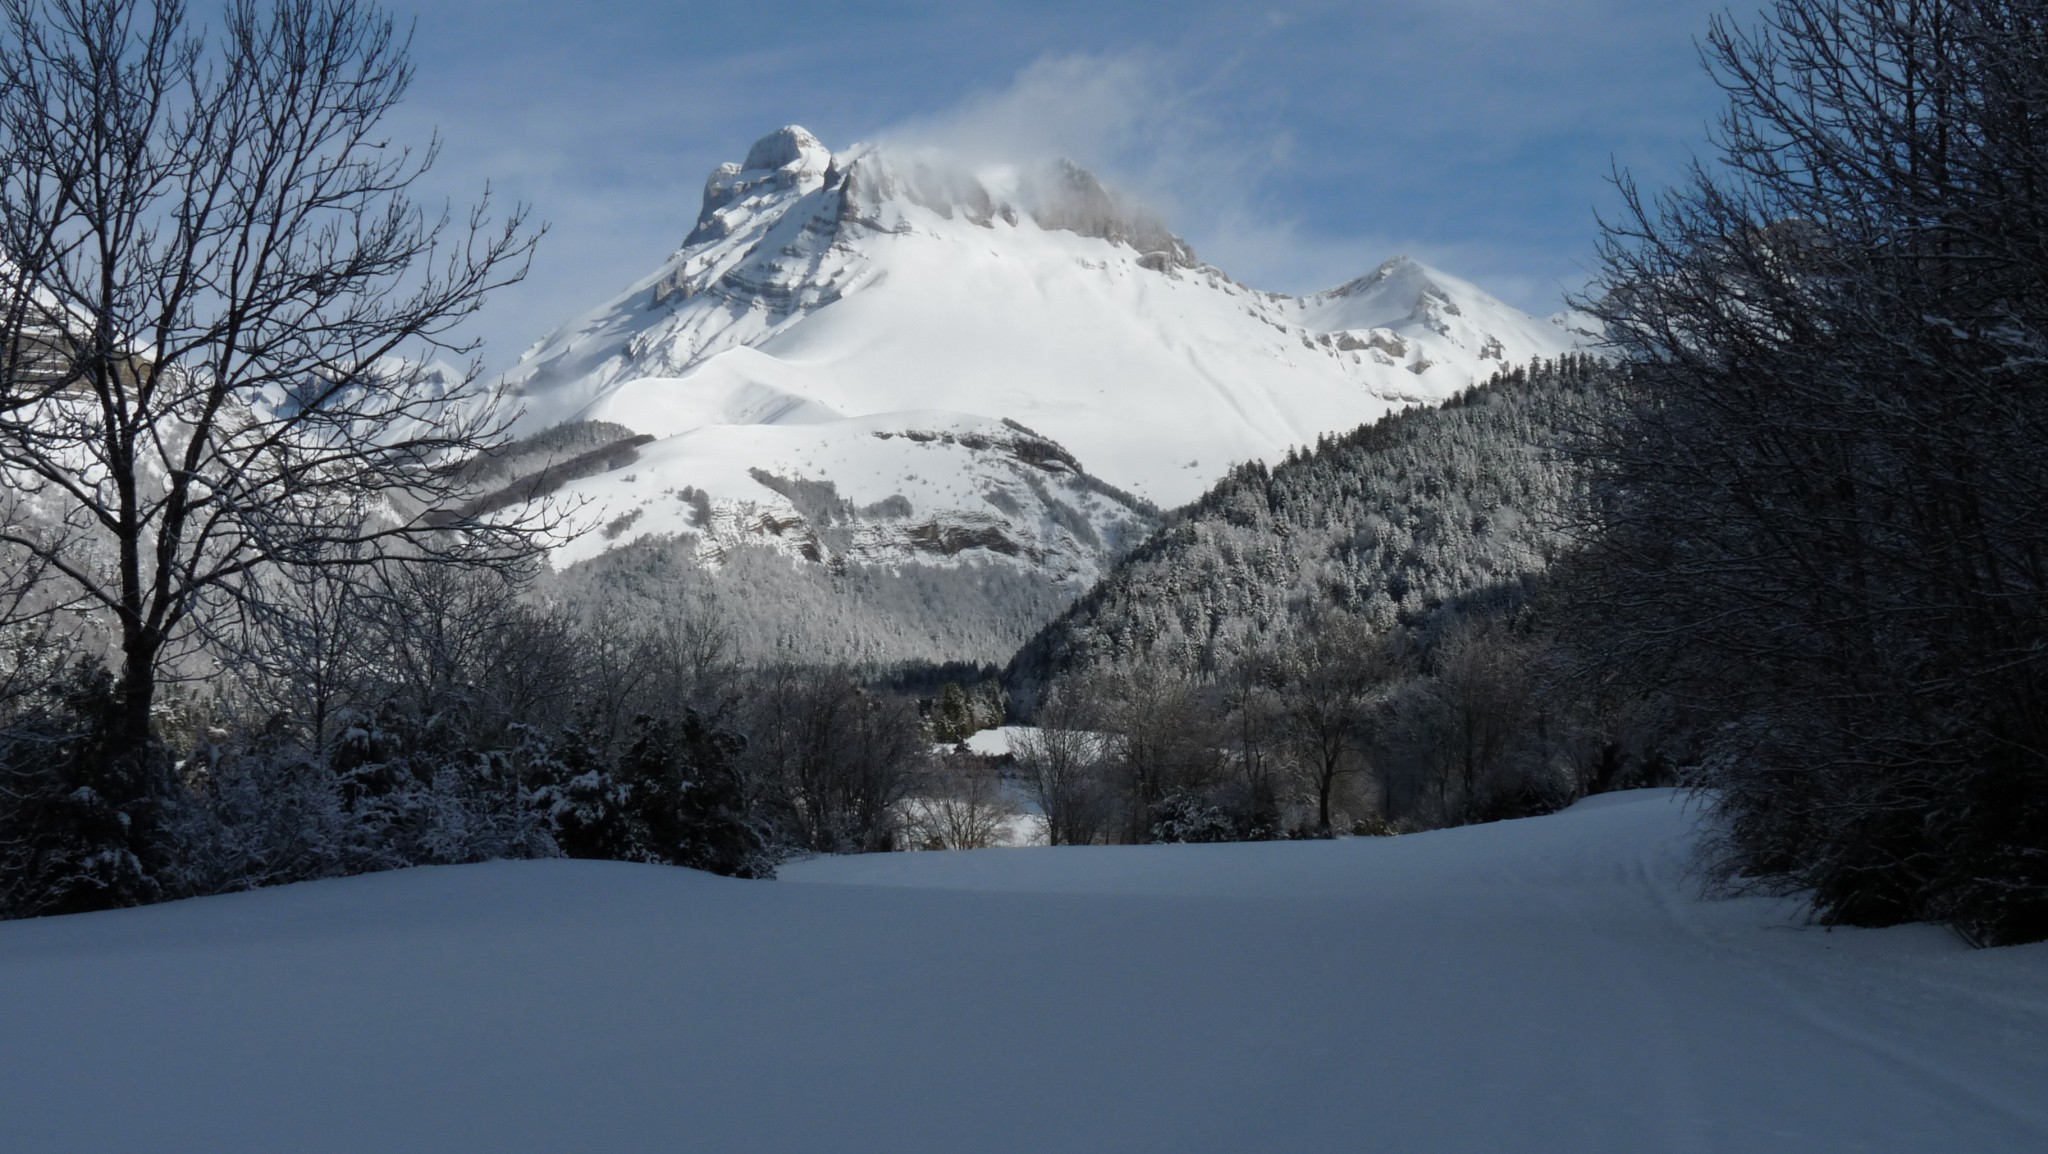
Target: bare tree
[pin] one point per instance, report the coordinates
(961, 804)
(1483, 685)
(1817, 510)
(307, 650)
(1161, 736)
(1061, 762)
(829, 758)
(216, 303)
(1248, 684)
(692, 652)
(1334, 671)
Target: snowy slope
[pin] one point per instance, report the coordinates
(1540, 986)
(850, 294)
(888, 489)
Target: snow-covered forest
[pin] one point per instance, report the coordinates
(1366, 627)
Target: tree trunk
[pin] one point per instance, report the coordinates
(135, 694)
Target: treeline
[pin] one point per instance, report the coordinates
(1336, 728)
(434, 715)
(1820, 495)
(853, 614)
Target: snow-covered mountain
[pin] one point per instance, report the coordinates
(883, 355)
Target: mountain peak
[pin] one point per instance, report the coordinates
(1394, 274)
(873, 185)
(1075, 201)
(787, 161)
(828, 290)
(791, 146)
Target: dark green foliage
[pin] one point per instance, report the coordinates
(79, 829)
(680, 795)
(589, 809)
(951, 718)
(1226, 811)
(957, 714)
(1188, 817)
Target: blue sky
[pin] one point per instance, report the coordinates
(1295, 144)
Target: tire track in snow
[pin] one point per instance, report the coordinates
(1686, 1118)
(1790, 980)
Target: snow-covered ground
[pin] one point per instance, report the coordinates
(1544, 985)
(995, 742)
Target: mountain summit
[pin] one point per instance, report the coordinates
(864, 320)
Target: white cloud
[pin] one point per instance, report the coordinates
(1132, 120)
(1096, 110)
(1296, 143)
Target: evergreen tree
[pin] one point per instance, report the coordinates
(79, 829)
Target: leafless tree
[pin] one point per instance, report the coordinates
(1817, 494)
(1334, 671)
(217, 300)
(306, 650)
(960, 804)
(831, 759)
(1482, 683)
(1162, 736)
(1061, 762)
(1248, 684)
(692, 654)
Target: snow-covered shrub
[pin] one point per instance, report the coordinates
(1190, 817)
(263, 812)
(672, 797)
(79, 830)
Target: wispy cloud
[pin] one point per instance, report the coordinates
(1137, 122)
(1472, 134)
(1296, 143)
(1098, 110)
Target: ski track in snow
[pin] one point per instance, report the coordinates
(1546, 985)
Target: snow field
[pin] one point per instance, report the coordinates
(1543, 985)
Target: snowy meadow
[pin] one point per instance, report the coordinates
(1549, 984)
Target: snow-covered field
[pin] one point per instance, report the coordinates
(1544, 985)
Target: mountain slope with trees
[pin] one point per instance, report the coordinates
(1387, 523)
(1354, 639)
